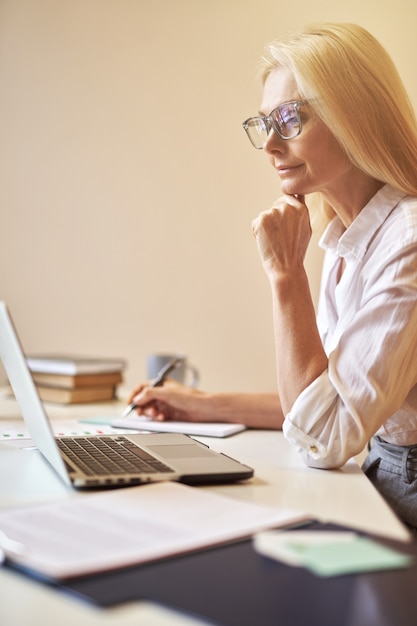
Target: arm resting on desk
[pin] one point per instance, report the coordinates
(178, 402)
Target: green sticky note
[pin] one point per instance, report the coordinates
(352, 557)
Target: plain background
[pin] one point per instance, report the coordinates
(127, 185)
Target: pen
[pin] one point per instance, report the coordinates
(157, 381)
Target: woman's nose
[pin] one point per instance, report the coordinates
(273, 143)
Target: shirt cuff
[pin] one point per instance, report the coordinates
(312, 404)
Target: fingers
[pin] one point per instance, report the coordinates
(278, 209)
(146, 394)
(171, 401)
(282, 235)
(136, 391)
(152, 412)
(149, 404)
(161, 402)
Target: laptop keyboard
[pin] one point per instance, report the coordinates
(109, 455)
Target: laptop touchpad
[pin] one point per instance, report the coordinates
(179, 451)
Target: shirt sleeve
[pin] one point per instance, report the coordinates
(313, 426)
(371, 367)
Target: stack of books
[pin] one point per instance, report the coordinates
(69, 379)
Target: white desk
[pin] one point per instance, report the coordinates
(344, 496)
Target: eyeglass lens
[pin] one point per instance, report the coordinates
(285, 120)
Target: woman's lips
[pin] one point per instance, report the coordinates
(284, 169)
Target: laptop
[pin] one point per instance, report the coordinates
(109, 460)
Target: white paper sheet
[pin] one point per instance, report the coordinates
(97, 532)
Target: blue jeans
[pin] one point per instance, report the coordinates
(393, 471)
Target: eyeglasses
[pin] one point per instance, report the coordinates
(285, 120)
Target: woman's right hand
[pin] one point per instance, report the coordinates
(170, 401)
(282, 235)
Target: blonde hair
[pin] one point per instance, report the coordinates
(355, 88)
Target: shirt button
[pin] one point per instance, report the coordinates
(313, 449)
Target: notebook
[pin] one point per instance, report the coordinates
(126, 459)
(198, 429)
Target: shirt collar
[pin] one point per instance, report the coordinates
(354, 241)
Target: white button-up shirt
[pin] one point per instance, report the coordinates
(368, 325)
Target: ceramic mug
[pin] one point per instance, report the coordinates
(184, 373)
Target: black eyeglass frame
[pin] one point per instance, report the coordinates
(269, 122)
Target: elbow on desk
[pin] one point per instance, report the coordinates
(323, 463)
(318, 455)
(331, 460)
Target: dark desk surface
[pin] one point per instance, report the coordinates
(235, 586)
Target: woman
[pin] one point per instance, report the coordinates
(335, 122)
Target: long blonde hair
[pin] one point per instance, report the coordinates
(355, 88)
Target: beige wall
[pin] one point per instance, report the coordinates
(127, 186)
